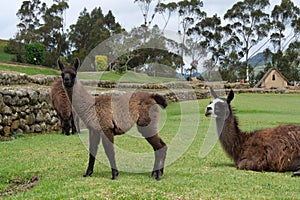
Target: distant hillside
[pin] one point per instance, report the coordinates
(258, 60)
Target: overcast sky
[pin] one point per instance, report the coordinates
(126, 12)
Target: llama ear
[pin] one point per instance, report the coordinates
(76, 64)
(213, 93)
(230, 96)
(60, 64)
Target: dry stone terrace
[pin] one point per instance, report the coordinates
(25, 105)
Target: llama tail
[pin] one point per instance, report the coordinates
(160, 100)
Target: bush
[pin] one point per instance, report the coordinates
(101, 63)
(34, 53)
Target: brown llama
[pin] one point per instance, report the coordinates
(273, 149)
(62, 105)
(106, 116)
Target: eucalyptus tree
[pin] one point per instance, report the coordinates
(282, 17)
(147, 11)
(292, 56)
(51, 31)
(296, 27)
(190, 14)
(29, 15)
(229, 60)
(166, 11)
(250, 24)
(211, 30)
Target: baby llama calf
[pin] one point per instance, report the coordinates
(106, 116)
(62, 105)
(274, 149)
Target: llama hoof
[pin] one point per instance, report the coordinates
(297, 173)
(115, 174)
(87, 174)
(157, 174)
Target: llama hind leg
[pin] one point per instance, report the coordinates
(108, 144)
(159, 147)
(94, 140)
(147, 126)
(160, 151)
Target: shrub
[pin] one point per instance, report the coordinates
(34, 53)
(100, 63)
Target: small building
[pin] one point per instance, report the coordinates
(272, 79)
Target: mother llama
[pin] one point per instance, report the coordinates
(274, 149)
(106, 116)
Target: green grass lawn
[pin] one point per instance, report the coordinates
(60, 161)
(30, 70)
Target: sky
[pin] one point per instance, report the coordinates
(126, 12)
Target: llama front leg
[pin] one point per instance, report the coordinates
(160, 151)
(296, 167)
(94, 139)
(74, 130)
(108, 144)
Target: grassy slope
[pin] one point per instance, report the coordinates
(30, 70)
(60, 161)
(4, 56)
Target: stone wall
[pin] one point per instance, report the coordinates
(26, 111)
(8, 78)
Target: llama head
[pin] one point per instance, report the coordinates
(68, 74)
(219, 107)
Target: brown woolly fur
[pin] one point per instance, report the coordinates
(106, 116)
(273, 149)
(62, 105)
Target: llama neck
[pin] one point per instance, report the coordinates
(230, 136)
(83, 103)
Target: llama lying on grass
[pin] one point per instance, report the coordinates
(106, 116)
(62, 105)
(274, 149)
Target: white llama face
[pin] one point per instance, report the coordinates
(217, 108)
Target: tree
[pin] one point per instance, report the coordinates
(250, 24)
(145, 7)
(288, 62)
(51, 32)
(282, 16)
(190, 13)
(209, 29)
(29, 15)
(111, 24)
(79, 35)
(166, 11)
(90, 30)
